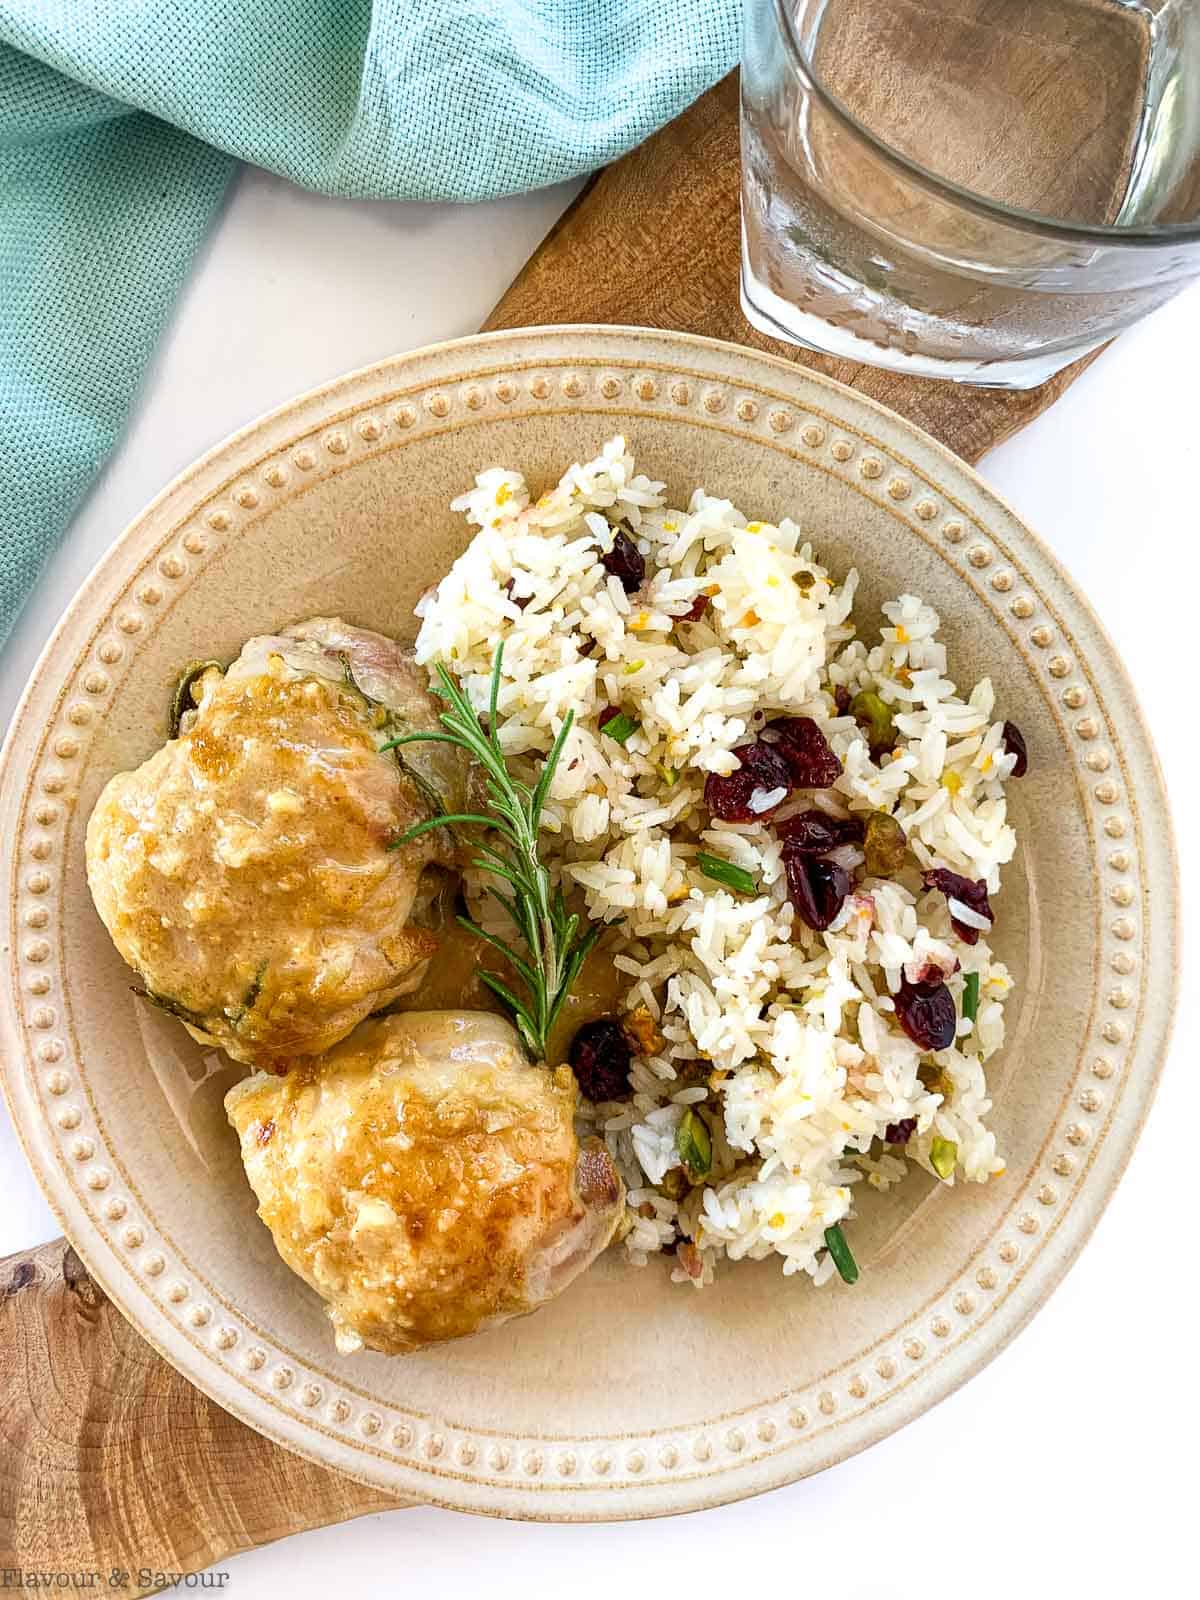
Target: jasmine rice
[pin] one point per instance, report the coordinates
(776, 1076)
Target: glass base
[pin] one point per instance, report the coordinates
(780, 319)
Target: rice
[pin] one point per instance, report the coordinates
(782, 1040)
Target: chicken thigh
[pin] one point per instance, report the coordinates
(425, 1178)
(245, 871)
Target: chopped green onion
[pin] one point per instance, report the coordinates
(943, 1153)
(970, 999)
(669, 776)
(722, 871)
(694, 1146)
(843, 1256)
(620, 727)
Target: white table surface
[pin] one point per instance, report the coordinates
(1068, 1466)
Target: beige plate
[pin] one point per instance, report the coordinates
(629, 1396)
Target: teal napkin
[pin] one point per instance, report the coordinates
(121, 122)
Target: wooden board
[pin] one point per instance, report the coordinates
(108, 1458)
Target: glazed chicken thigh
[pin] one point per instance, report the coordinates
(425, 1178)
(244, 870)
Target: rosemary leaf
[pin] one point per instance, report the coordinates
(506, 950)
(554, 947)
(436, 822)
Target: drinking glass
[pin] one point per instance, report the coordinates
(981, 190)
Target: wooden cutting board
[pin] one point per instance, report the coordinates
(108, 1458)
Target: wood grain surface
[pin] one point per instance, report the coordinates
(108, 1458)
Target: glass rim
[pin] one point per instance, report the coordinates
(1143, 236)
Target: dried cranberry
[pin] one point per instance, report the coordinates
(606, 716)
(900, 1132)
(696, 610)
(841, 699)
(625, 561)
(1013, 741)
(762, 771)
(973, 895)
(816, 887)
(815, 833)
(926, 1013)
(806, 750)
(600, 1058)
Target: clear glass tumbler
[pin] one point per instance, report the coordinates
(981, 190)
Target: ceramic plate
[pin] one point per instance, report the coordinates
(629, 1396)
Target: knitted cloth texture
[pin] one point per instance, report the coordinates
(122, 121)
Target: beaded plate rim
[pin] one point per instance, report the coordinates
(624, 373)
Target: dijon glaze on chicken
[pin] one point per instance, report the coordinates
(425, 1178)
(244, 871)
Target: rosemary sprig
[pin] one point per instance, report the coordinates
(554, 947)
